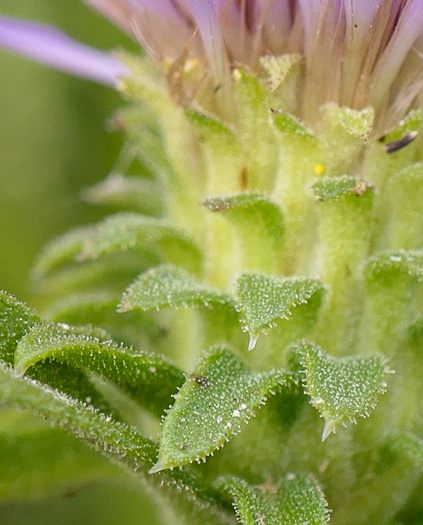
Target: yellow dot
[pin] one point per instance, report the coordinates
(319, 169)
(237, 75)
(191, 64)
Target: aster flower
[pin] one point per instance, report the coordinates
(283, 213)
(354, 53)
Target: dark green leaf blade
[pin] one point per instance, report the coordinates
(115, 439)
(149, 379)
(218, 397)
(118, 442)
(263, 300)
(29, 470)
(342, 389)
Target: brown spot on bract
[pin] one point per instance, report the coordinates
(360, 188)
(243, 178)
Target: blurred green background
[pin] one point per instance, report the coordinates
(53, 139)
(53, 142)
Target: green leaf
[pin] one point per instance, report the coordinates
(299, 501)
(115, 439)
(356, 123)
(118, 442)
(342, 389)
(170, 286)
(393, 280)
(334, 188)
(99, 308)
(412, 122)
(290, 125)
(110, 272)
(252, 506)
(278, 67)
(61, 251)
(256, 130)
(386, 265)
(218, 397)
(16, 319)
(405, 194)
(126, 231)
(29, 470)
(131, 193)
(263, 300)
(302, 501)
(221, 150)
(149, 379)
(259, 225)
(143, 131)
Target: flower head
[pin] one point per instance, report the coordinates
(354, 52)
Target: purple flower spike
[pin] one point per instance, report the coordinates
(50, 46)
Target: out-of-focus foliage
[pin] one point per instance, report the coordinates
(53, 142)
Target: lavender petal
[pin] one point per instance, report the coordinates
(51, 47)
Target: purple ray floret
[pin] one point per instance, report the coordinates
(50, 46)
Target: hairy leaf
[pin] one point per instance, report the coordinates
(252, 506)
(120, 443)
(221, 150)
(61, 251)
(302, 501)
(412, 122)
(299, 501)
(146, 137)
(356, 123)
(342, 389)
(259, 145)
(263, 300)
(99, 308)
(290, 125)
(149, 379)
(16, 319)
(218, 397)
(113, 438)
(29, 470)
(405, 262)
(170, 286)
(128, 192)
(110, 272)
(259, 224)
(126, 231)
(334, 188)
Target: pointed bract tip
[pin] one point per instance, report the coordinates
(330, 428)
(157, 467)
(253, 341)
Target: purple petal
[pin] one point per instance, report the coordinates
(53, 48)
(408, 29)
(206, 18)
(360, 14)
